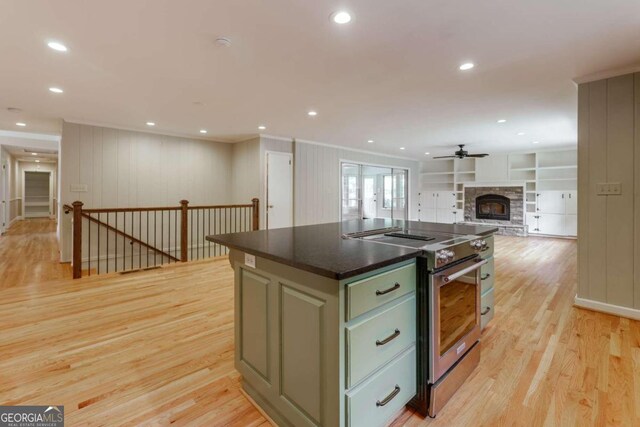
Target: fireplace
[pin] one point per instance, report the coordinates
(493, 206)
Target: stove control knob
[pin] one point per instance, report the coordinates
(450, 254)
(484, 244)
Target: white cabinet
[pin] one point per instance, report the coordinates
(556, 213)
(571, 202)
(551, 223)
(438, 206)
(571, 225)
(551, 202)
(446, 200)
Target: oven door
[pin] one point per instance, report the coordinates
(454, 306)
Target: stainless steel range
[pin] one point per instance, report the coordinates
(448, 295)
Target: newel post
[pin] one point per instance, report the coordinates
(184, 230)
(256, 213)
(77, 239)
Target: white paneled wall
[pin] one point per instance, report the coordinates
(317, 180)
(125, 168)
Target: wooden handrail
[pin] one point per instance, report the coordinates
(128, 236)
(186, 223)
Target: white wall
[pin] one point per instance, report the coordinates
(317, 180)
(125, 168)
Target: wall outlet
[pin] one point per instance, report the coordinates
(609, 189)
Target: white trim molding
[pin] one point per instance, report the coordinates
(603, 307)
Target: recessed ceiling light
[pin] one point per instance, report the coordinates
(520, 133)
(467, 66)
(536, 142)
(261, 127)
(37, 161)
(402, 148)
(427, 153)
(341, 17)
(370, 141)
(151, 124)
(21, 124)
(56, 90)
(312, 113)
(502, 121)
(57, 46)
(203, 131)
(34, 154)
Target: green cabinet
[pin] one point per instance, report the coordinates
(314, 351)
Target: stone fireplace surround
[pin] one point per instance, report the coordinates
(515, 193)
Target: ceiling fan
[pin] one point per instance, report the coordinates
(461, 154)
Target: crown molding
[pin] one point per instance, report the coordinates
(601, 75)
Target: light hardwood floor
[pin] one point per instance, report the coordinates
(29, 254)
(156, 348)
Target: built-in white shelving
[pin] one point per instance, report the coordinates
(537, 171)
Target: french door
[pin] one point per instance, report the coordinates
(373, 192)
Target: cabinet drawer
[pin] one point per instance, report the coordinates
(486, 276)
(372, 292)
(489, 251)
(375, 341)
(394, 385)
(486, 307)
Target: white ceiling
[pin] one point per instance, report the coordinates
(390, 75)
(26, 154)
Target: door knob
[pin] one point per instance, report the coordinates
(270, 206)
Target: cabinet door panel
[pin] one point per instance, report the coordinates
(428, 215)
(551, 224)
(551, 202)
(445, 216)
(428, 200)
(446, 200)
(571, 202)
(571, 225)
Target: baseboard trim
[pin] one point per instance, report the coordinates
(603, 307)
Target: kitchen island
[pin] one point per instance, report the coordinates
(326, 326)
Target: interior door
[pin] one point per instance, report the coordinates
(279, 190)
(351, 192)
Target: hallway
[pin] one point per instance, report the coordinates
(29, 254)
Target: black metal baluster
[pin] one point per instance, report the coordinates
(162, 236)
(124, 241)
(107, 236)
(209, 230)
(89, 245)
(140, 238)
(146, 239)
(191, 235)
(98, 226)
(155, 236)
(115, 246)
(175, 234)
(131, 242)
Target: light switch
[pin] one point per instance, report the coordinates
(608, 188)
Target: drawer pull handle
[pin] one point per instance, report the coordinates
(391, 289)
(485, 311)
(391, 337)
(485, 277)
(389, 398)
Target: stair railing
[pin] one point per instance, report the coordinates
(107, 240)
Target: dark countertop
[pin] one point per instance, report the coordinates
(321, 249)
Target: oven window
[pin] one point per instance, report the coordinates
(457, 311)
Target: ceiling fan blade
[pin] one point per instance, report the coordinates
(477, 155)
(445, 157)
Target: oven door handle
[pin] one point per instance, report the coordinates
(464, 271)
